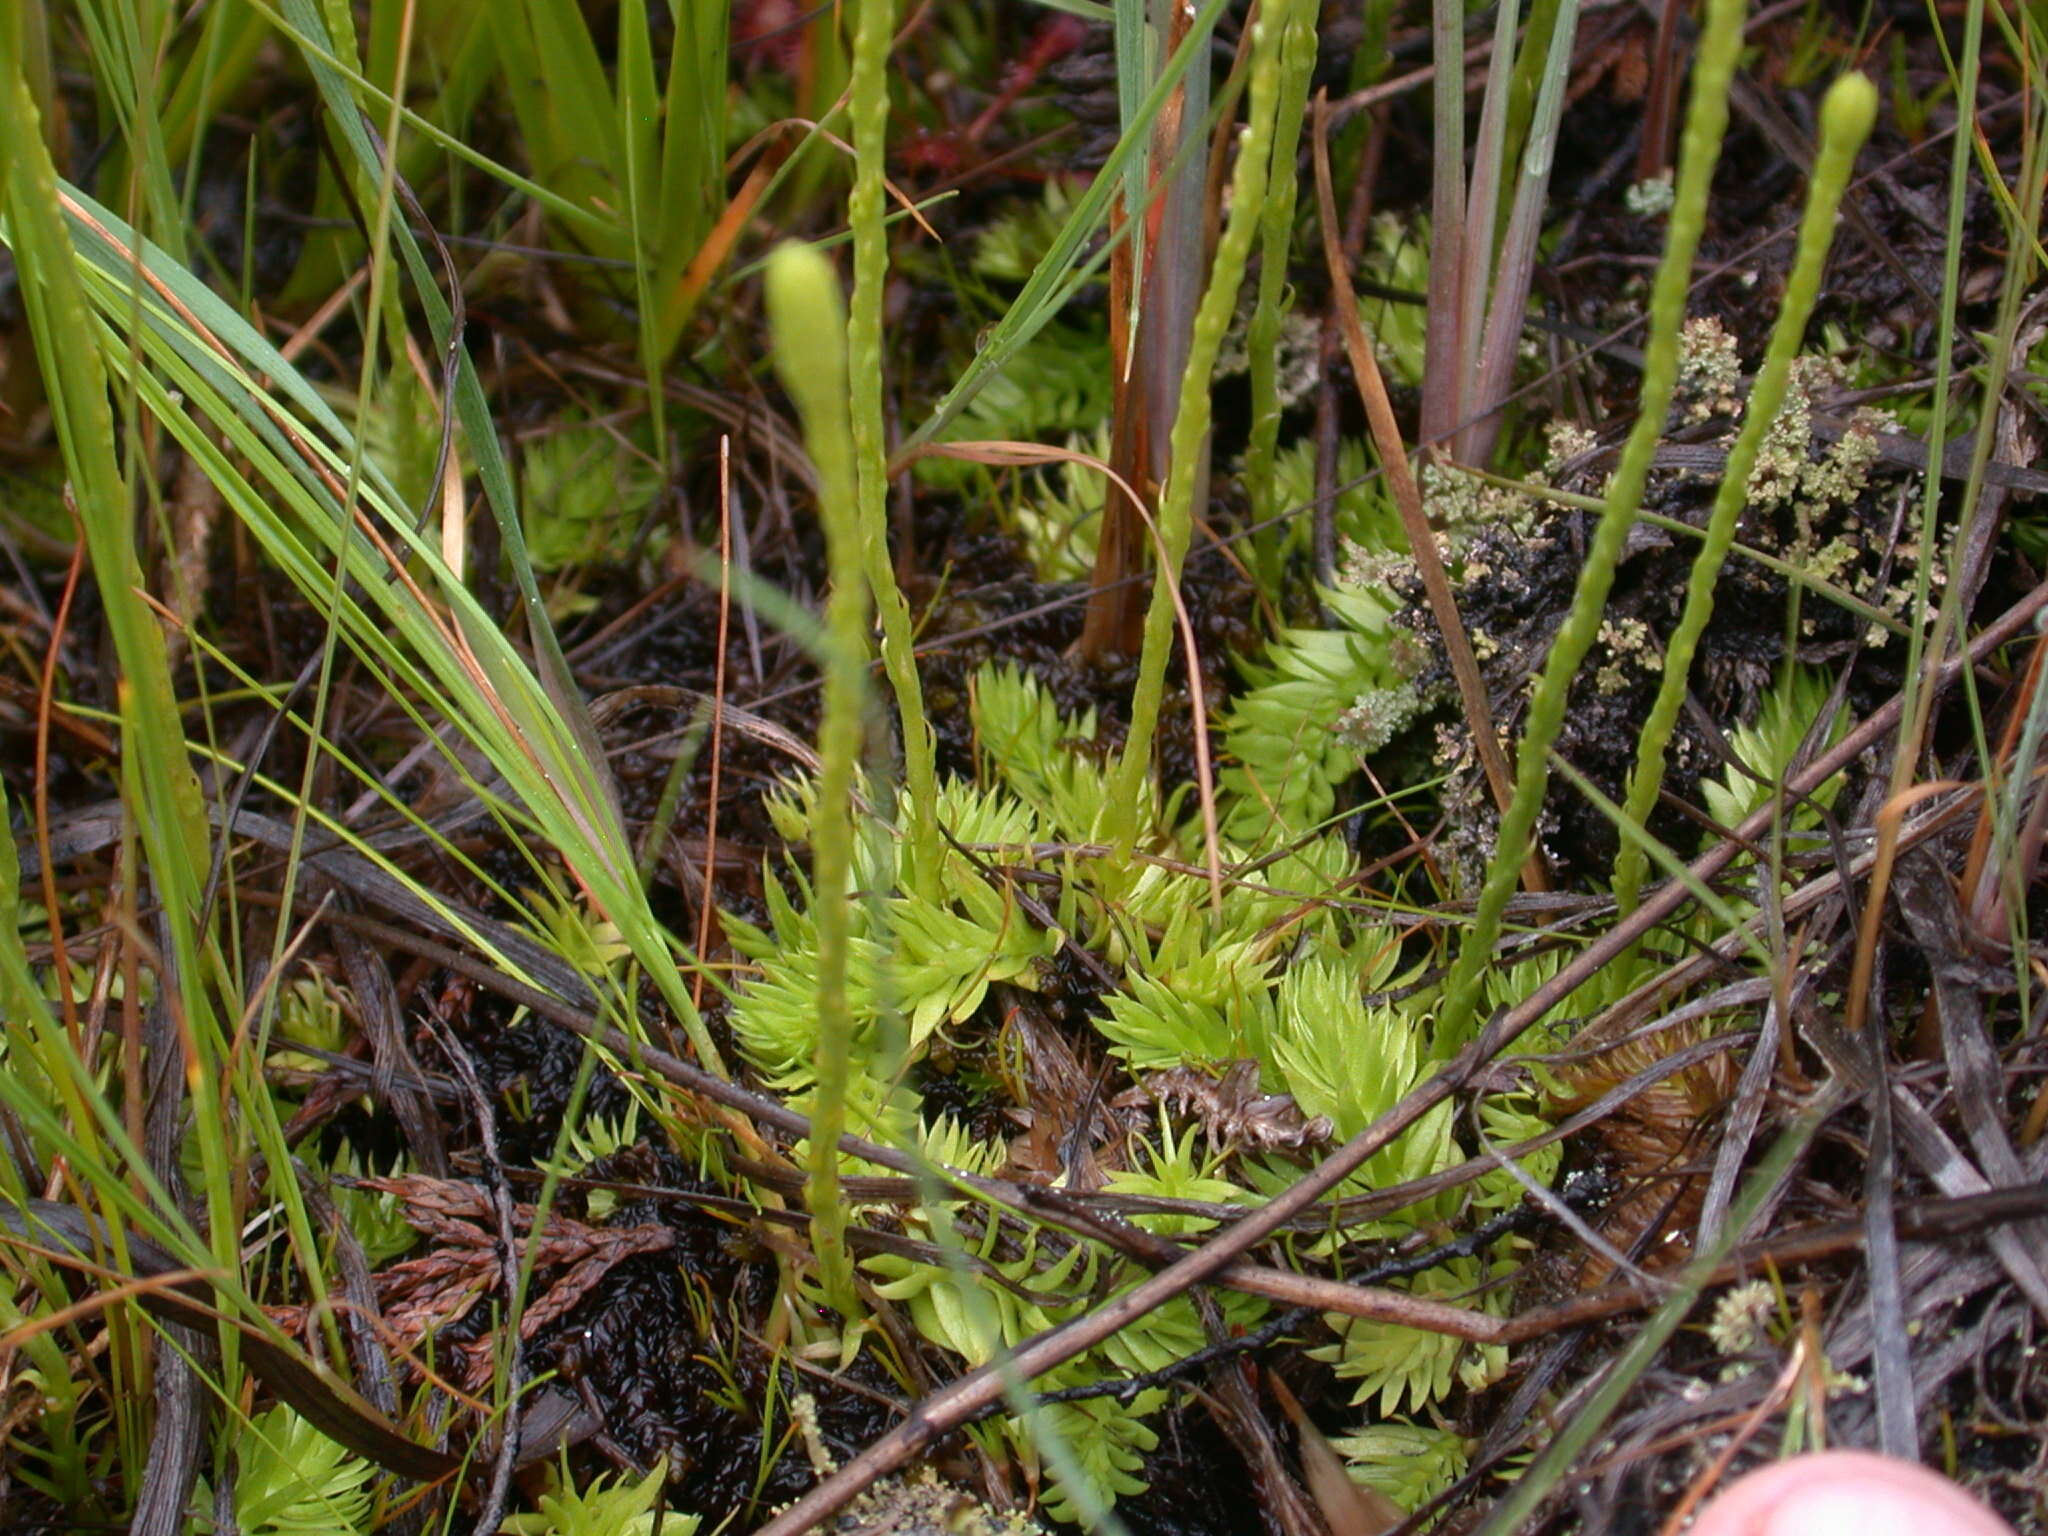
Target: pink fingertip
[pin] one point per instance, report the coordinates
(1846, 1493)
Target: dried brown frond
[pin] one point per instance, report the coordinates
(1652, 1138)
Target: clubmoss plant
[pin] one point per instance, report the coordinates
(1009, 246)
(1768, 745)
(1707, 119)
(1298, 730)
(586, 492)
(1397, 254)
(622, 1505)
(1846, 118)
(1324, 1003)
(375, 1217)
(1709, 370)
(1276, 234)
(1058, 511)
(291, 1480)
(940, 949)
(808, 322)
(1410, 1463)
(869, 90)
(1400, 1369)
(1056, 385)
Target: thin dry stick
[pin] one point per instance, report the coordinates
(1372, 393)
(1857, 1003)
(717, 706)
(46, 698)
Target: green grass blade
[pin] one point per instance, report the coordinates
(554, 726)
(1443, 383)
(1496, 350)
(1051, 281)
(159, 789)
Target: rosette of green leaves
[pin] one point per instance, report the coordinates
(1410, 1463)
(615, 1506)
(931, 957)
(1407, 1367)
(1049, 1280)
(1048, 760)
(1767, 746)
(291, 1480)
(1281, 730)
(1108, 1440)
(1021, 1288)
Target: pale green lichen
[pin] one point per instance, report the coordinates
(1407, 652)
(1781, 460)
(1377, 716)
(1898, 597)
(922, 1505)
(1361, 569)
(1651, 198)
(1709, 370)
(1742, 1317)
(1458, 501)
(1627, 642)
(1789, 472)
(1564, 442)
(1833, 560)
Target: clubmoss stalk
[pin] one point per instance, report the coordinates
(1845, 121)
(869, 110)
(1190, 438)
(808, 324)
(1706, 122)
(1276, 234)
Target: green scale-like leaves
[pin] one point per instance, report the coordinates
(1331, 1003)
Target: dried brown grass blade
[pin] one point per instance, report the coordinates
(1349, 1509)
(1372, 393)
